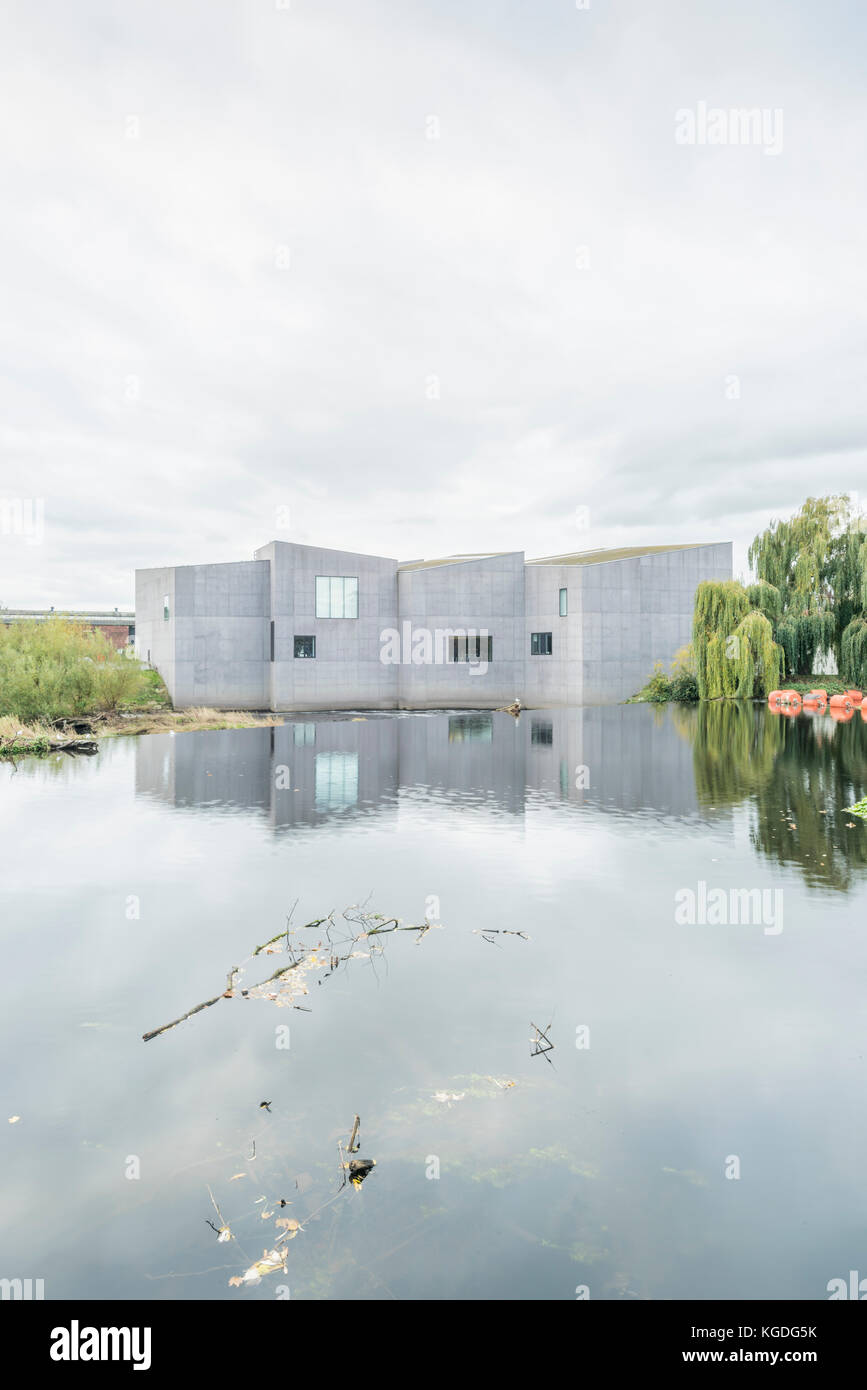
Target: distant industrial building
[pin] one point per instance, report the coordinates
(117, 627)
(303, 628)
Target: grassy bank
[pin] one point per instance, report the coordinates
(61, 683)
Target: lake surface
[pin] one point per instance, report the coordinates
(684, 1051)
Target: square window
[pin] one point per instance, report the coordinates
(541, 644)
(305, 646)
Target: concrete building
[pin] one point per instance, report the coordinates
(304, 628)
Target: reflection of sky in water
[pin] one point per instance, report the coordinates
(132, 882)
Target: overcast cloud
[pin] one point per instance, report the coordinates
(416, 278)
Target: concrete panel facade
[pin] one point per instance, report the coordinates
(479, 597)
(236, 634)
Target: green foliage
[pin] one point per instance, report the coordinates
(853, 653)
(802, 637)
(719, 608)
(684, 687)
(817, 560)
(55, 668)
(680, 686)
(767, 598)
(756, 658)
(658, 688)
(736, 656)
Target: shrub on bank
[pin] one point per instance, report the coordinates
(681, 685)
(59, 668)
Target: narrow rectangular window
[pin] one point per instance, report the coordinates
(305, 646)
(473, 648)
(165, 608)
(541, 644)
(272, 639)
(563, 603)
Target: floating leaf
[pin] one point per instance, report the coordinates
(286, 1223)
(13, 1119)
(236, 1176)
(225, 1234)
(271, 1260)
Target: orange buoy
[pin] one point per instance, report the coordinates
(842, 714)
(823, 693)
(855, 696)
(843, 702)
(775, 699)
(864, 713)
(814, 701)
(792, 698)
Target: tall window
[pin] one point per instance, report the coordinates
(472, 648)
(563, 603)
(272, 639)
(336, 596)
(305, 646)
(540, 644)
(165, 608)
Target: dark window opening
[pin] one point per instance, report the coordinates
(472, 649)
(305, 646)
(541, 644)
(272, 639)
(542, 731)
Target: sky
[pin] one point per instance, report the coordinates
(415, 278)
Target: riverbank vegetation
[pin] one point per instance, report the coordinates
(62, 684)
(807, 603)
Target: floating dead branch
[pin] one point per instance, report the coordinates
(288, 980)
(542, 1044)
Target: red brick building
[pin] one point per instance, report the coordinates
(117, 627)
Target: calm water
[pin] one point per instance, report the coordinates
(132, 882)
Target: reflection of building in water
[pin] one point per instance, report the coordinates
(316, 769)
(336, 781)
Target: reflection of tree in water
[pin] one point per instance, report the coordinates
(800, 776)
(735, 748)
(821, 768)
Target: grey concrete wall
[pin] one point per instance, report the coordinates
(154, 637)
(623, 615)
(222, 635)
(346, 672)
(557, 679)
(639, 611)
(474, 595)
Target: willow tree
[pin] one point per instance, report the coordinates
(853, 652)
(733, 644)
(756, 658)
(818, 562)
